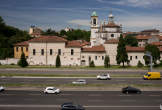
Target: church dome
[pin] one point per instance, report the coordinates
(94, 13)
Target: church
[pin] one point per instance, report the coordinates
(103, 31)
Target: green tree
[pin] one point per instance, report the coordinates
(155, 52)
(50, 32)
(22, 62)
(122, 55)
(131, 41)
(58, 61)
(91, 64)
(62, 32)
(107, 61)
(139, 64)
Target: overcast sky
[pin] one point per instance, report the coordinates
(134, 15)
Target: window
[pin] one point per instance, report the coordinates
(17, 49)
(95, 57)
(112, 35)
(94, 21)
(136, 57)
(50, 51)
(89, 58)
(34, 51)
(102, 57)
(82, 56)
(26, 48)
(72, 52)
(59, 51)
(22, 49)
(42, 51)
(130, 57)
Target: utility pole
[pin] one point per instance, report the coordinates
(149, 54)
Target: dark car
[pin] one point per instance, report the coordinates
(71, 106)
(129, 89)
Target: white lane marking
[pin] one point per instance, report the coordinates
(91, 106)
(128, 100)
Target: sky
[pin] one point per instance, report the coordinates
(134, 15)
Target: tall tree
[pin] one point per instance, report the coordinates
(131, 41)
(22, 62)
(107, 61)
(58, 62)
(155, 52)
(122, 55)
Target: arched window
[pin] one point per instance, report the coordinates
(72, 52)
(94, 21)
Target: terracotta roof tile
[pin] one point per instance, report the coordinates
(99, 48)
(48, 39)
(112, 41)
(143, 37)
(135, 49)
(111, 25)
(77, 43)
(24, 43)
(157, 43)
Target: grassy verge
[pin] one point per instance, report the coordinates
(84, 86)
(64, 75)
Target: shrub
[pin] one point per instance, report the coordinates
(91, 64)
(107, 61)
(140, 64)
(58, 62)
(22, 62)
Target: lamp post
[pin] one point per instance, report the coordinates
(149, 54)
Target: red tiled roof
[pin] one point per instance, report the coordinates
(77, 43)
(135, 49)
(111, 25)
(24, 43)
(157, 43)
(143, 37)
(112, 41)
(48, 39)
(160, 37)
(99, 48)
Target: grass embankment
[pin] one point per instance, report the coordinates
(83, 86)
(65, 75)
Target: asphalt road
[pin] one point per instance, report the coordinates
(10, 80)
(71, 71)
(91, 100)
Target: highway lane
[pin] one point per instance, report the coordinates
(71, 71)
(15, 80)
(91, 100)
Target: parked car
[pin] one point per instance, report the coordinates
(104, 77)
(51, 90)
(152, 75)
(79, 81)
(71, 106)
(1, 88)
(160, 106)
(129, 89)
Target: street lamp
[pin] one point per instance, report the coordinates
(149, 54)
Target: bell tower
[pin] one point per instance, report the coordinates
(94, 28)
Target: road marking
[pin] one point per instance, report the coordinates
(128, 100)
(87, 106)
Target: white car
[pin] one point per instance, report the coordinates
(51, 90)
(103, 77)
(79, 81)
(1, 88)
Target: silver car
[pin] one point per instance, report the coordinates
(104, 77)
(79, 81)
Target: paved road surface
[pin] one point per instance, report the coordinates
(91, 100)
(11, 80)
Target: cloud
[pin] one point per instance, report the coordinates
(82, 22)
(141, 22)
(134, 3)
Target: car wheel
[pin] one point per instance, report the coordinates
(138, 92)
